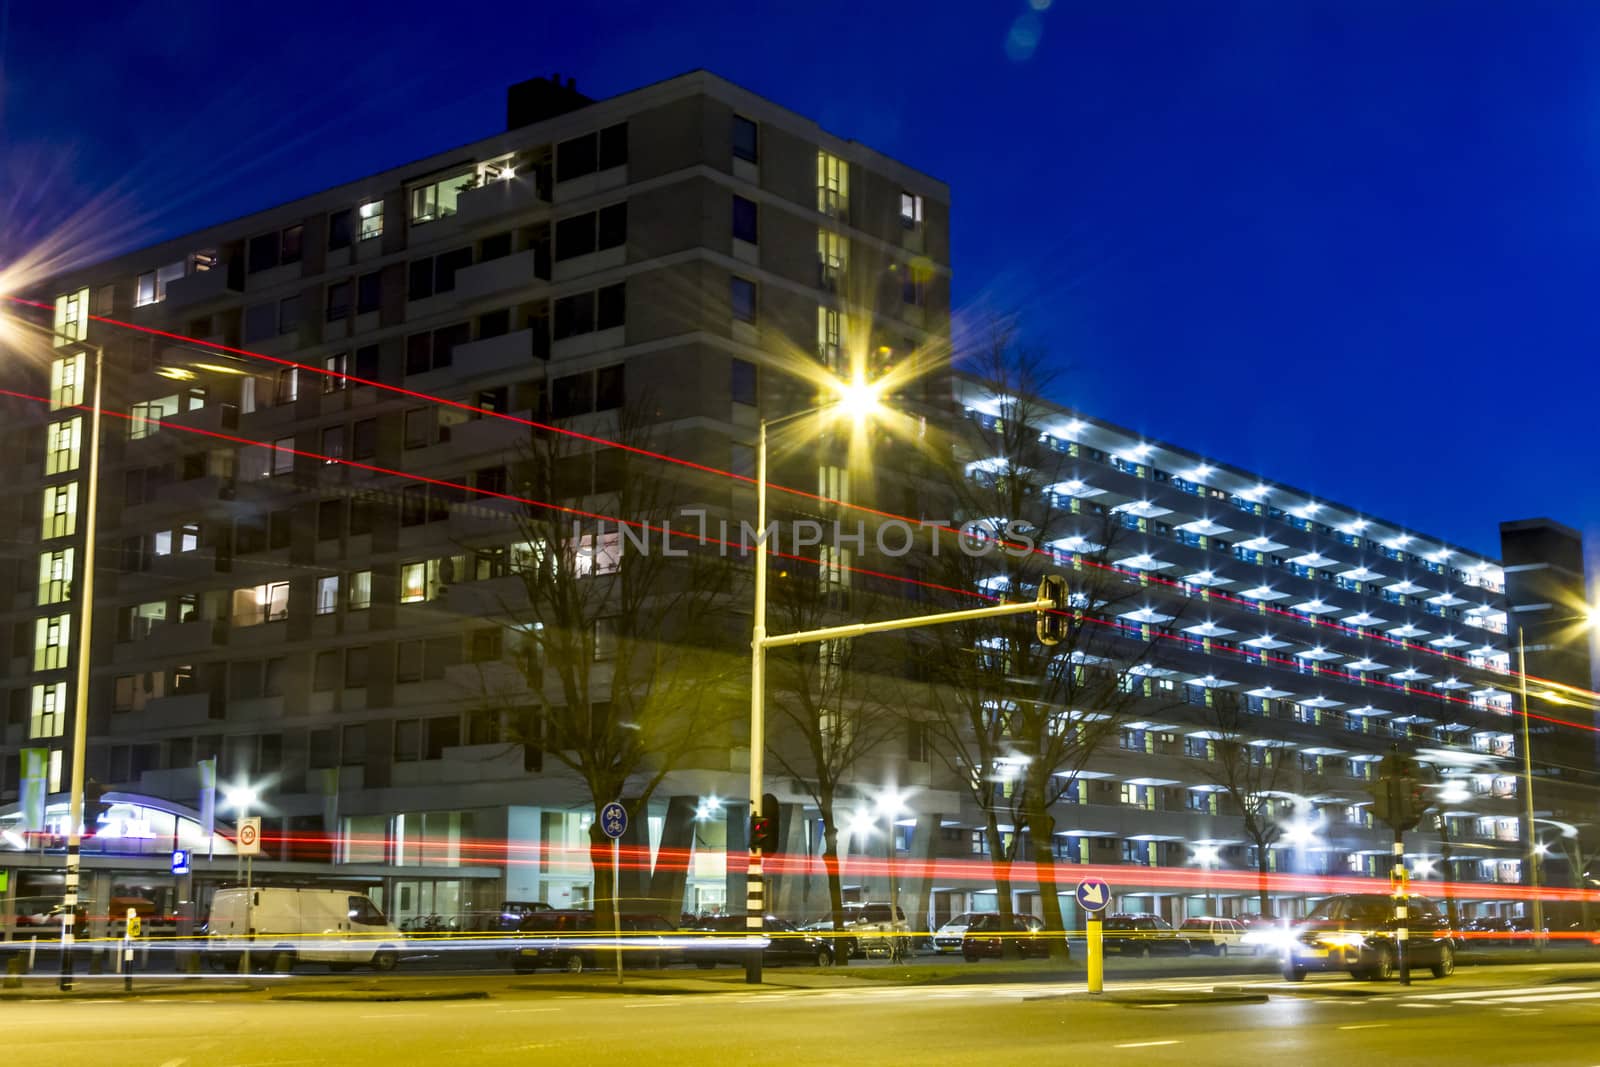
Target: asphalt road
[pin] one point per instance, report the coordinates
(1511, 1015)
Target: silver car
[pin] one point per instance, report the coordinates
(948, 937)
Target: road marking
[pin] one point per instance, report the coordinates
(1363, 1026)
(650, 1004)
(1536, 998)
(1405, 1004)
(1145, 1044)
(524, 1011)
(175, 1063)
(396, 1015)
(1511, 991)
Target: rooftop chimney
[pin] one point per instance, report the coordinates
(538, 99)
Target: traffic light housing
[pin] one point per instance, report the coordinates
(1051, 625)
(764, 827)
(95, 806)
(1401, 797)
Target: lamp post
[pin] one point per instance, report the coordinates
(1534, 852)
(858, 400)
(80, 692)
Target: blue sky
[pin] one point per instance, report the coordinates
(1350, 245)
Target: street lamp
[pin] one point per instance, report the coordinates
(80, 692)
(1534, 851)
(858, 400)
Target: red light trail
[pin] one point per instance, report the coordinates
(1252, 605)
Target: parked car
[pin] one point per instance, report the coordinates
(570, 940)
(281, 926)
(1355, 932)
(844, 943)
(1142, 934)
(988, 934)
(1216, 936)
(878, 930)
(947, 938)
(785, 943)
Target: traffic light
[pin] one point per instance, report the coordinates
(764, 827)
(95, 806)
(1052, 624)
(1401, 797)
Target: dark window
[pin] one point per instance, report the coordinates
(611, 306)
(280, 527)
(576, 157)
(613, 226)
(353, 745)
(367, 362)
(330, 519)
(355, 667)
(608, 388)
(369, 292)
(340, 228)
(445, 340)
(291, 245)
(496, 247)
(574, 315)
(419, 353)
(244, 680)
(746, 139)
(613, 146)
(572, 395)
(365, 443)
(407, 734)
(743, 382)
(494, 323)
(444, 732)
(575, 236)
(288, 314)
(742, 296)
(263, 254)
(420, 279)
(446, 264)
(325, 674)
(413, 505)
(744, 219)
(440, 653)
(338, 301)
(490, 480)
(360, 517)
(260, 322)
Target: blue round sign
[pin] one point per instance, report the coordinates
(614, 819)
(1093, 894)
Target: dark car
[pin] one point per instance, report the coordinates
(1142, 935)
(571, 941)
(1355, 932)
(785, 943)
(987, 935)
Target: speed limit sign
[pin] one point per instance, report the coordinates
(249, 839)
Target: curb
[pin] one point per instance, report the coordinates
(119, 994)
(382, 996)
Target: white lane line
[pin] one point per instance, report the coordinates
(1532, 998)
(1364, 1026)
(524, 1011)
(175, 1063)
(1476, 994)
(1404, 1004)
(396, 1015)
(1145, 1044)
(649, 1004)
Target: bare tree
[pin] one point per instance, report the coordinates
(832, 704)
(628, 673)
(1018, 719)
(1255, 778)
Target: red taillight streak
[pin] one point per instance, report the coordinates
(1255, 606)
(1116, 624)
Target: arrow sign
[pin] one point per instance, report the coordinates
(1093, 894)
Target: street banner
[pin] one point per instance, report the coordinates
(35, 787)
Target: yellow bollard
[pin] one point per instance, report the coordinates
(1097, 956)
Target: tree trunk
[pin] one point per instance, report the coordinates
(1263, 862)
(1041, 832)
(605, 886)
(1002, 884)
(830, 864)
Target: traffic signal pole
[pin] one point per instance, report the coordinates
(1049, 607)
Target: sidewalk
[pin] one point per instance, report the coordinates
(103, 986)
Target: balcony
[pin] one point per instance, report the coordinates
(509, 351)
(166, 640)
(506, 274)
(493, 199)
(206, 289)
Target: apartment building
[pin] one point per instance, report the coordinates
(320, 632)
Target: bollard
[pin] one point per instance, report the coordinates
(1095, 936)
(13, 978)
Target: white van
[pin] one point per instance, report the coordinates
(281, 926)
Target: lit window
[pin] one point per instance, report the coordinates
(145, 418)
(55, 576)
(189, 537)
(437, 199)
(830, 338)
(72, 317)
(161, 543)
(371, 219)
(413, 584)
(910, 210)
(328, 595)
(66, 382)
(360, 591)
(54, 782)
(49, 710)
(152, 285)
(831, 257)
(62, 441)
(60, 514)
(50, 642)
(337, 367)
(833, 185)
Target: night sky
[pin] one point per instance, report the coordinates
(1349, 245)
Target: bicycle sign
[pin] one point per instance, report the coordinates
(614, 819)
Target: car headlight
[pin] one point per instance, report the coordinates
(1344, 940)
